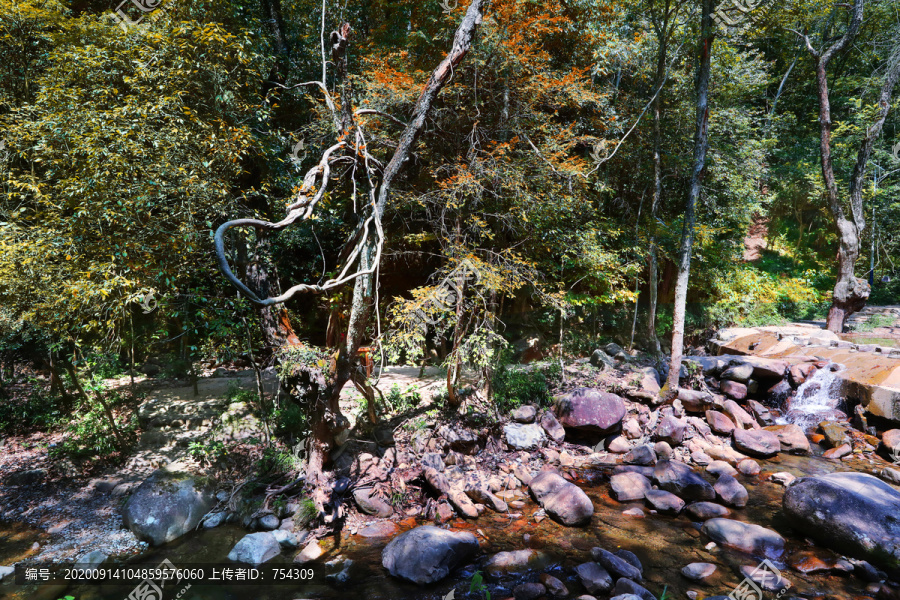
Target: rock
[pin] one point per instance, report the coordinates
(619, 597)
(650, 381)
(432, 460)
(613, 349)
(748, 467)
(641, 455)
(427, 554)
(529, 591)
(694, 401)
(733, 389)
(664, 502)
(460, 439)
(756, 442)
(890, 443)
(591, 411)
(480, 493)
(594, 578)
(167, 505)
(682, 481)
(835, 435)
(214, 519)
(890, 475)
(783, 478)
(615, 565)
(310, 552)
(525, 414)
(255, 548)
(720, 467)
(703, 511)
(791, 437)
(760, 413)
(618, 445)
(731, 492)
(632, 429)
(91, 561)
(564, 501)
(741, 417)
(286, 539)
(602, 360)
(554, 430)
(7, 572)
(268, 522)
(371, 504)
(663, 450)
(627, 586)
(555, 587)
(517, 562)
(636, 512)
(698, 571)
(27, 477)
(670, 430)
(849, 512)
(631, 558)
(461, 502)
(765, 578)
(740, 373)
(780, 392)
(838, 453)
(629, 486)
(719, 422)
(524, 437)
(746, 537)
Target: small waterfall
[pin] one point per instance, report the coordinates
(816, 400)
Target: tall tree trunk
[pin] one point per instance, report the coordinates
(274, 320)
(701, 145)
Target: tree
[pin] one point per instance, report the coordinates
(701, 145)
(318, 385)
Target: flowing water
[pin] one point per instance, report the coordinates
(817, 399)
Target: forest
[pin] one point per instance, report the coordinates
(304, 196)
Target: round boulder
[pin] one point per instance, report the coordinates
(167, 505)
(427, 554)
(591, 411)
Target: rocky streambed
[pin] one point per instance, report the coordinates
(604, 495)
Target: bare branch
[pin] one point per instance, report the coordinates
(372, 111)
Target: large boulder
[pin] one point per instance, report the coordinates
(564, 501)
(746, 537)
(850, 512)
(756, 442)
(167, 505)
(791, 437)
(719, 422)
(590, 411)
(681, 480)
(255, 548)
(428, 554)
(629, 486)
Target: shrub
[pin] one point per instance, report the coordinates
(514, 386)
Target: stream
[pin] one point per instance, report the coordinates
(664, 545)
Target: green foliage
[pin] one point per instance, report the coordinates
(275, 461)
(36, 410)
(403, 401)
(874, 322)
(477, 585)
(207, 452)
(514, 385)
(290, 419)
(88, 434)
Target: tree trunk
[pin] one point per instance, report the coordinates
(274, 320)
(701, 145)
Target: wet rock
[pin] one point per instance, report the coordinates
(791, 437)
(631, 558)
(529, 591)
(167, 505)
(640, 455)
(741, 417)
(636, 512)
(524, 414)
(627, 586)
(310, 552)
(733, 389)
(756, 442)
(740, 373)
(698, 571)
(555, 587)
(214, 519)
(480, 493)
(703, 511)
(780, 392)
(554, 430)
(564, 501)
(629, 486)
(838, 453)
(268, 522)
(835, 435)
(731, 492)
(427, 554)
(719, 423)
(615, 565)
(517, 562)
(850, 512)
(890, 475)
(720, 467)
(372, 504)
(748, 467)
(524, 437)
(783, 478)
(760, 413)
(765, 578)
(670, 430)
(591, 411)
(594, 578)
(682, 481)
(746, 537)
(381, 529)
(664, 502)
(255, 548)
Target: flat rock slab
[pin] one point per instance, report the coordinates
(756, 442)
(746, 537)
